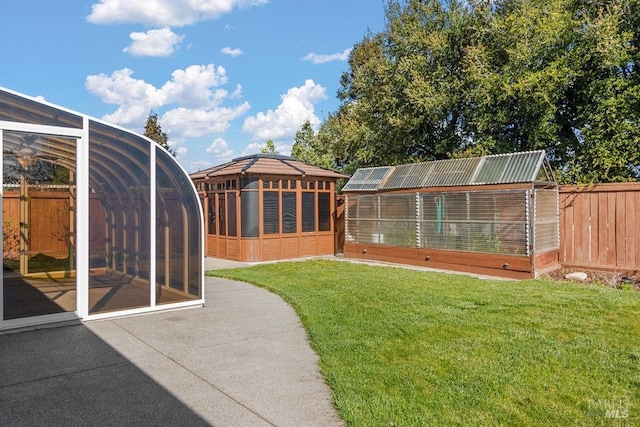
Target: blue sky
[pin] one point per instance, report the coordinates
(224, 76)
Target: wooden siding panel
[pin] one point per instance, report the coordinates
(232, 248)
(250, 250)
(222, 247)
(415, 256)
(212, 245)
(270, 249)
(308, 246)
(325, 244)
(290, 247)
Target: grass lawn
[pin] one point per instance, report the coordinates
(405, 348)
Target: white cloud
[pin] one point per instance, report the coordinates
(252, 148)
(316, 58)
(220, 149)
(161, 13)
(231, 52)
(297, 107)
(199, 165)
(159, 43)
(194, 89)
(135, 97)
(256, 147)
(237, 94)
(181, 151)
(187, 123)
(191, 86)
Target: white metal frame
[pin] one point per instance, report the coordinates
(82, 229)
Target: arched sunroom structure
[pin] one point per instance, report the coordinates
(97, 221)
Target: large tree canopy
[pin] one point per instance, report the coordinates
(463, 78)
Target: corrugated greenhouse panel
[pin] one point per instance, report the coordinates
(452, 172)
(546, 235)
(367, 179)
(509, 168)
(476, 221)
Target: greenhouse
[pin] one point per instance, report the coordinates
(97, 221)
(265, 207)
(493, 215)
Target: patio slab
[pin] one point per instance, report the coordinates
(242, 360)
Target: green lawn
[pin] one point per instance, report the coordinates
(407, 348)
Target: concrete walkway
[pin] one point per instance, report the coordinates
(243, 360)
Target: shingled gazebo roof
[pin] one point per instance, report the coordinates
(266, 164)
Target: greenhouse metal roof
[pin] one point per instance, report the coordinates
(523, 167)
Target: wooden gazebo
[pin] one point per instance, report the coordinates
(266, 207)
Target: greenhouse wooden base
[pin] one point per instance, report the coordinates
(508, 266)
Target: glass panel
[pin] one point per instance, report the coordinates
(222, 214)
(178, 234)
(250, 183)
(289, 209)
(324, 211)
(270, 212)
(213, 215)
(308, 211)
(249, 207)
(120, 247)
(38, 247)
(232, 219)
(15, 108)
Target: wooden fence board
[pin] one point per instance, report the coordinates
(611, 229)
(602, 229)
(600, 226)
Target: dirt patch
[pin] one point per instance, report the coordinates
(599, 278)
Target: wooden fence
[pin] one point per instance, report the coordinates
(600, 227)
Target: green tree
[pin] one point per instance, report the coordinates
(311, 149)
(153, 131)
(458, 78)
(269, 148)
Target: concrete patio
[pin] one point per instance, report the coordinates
(243, 360)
